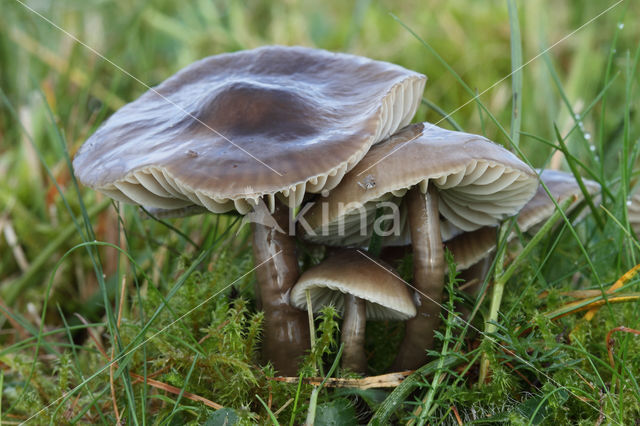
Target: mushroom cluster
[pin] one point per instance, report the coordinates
(430, 173)
(254, 128)
(259, 132)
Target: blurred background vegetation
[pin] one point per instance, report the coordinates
(55, 92)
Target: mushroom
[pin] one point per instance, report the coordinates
(362, 289)
(471, 247)
(467, 179)
(246, 130)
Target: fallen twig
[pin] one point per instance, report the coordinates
(176, 391)
(389, 380)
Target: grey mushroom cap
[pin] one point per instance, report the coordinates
(470, 248)
(479, 183)
(230, 129)
(387, 296)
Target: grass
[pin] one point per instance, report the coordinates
(110, 316)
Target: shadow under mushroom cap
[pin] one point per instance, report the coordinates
(234, 127)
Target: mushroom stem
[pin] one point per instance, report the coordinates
(428, 278)
(286, 332)
(353, 331)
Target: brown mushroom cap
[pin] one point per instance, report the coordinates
(231, 128)
(480, 182)
(469, 248)
(350, 272)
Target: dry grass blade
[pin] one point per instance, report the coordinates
(587, 304)
(455, 413)
(576, 294)
(95, 338)
(610, 341)
(112, 364)
(12, 241)
(389, 380)
(627, 276)
(9, 316)
(104, 354)
(140, 379)
(285, 405)
(583, 305)
(176, 391)
(584, 380)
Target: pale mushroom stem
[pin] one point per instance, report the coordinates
(353, 331)
(285, 337)
(428, 278)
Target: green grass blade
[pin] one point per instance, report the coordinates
(516, 72)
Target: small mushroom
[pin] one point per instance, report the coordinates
(362, 289)
(232, 131)
(469, 180)
(469, 248)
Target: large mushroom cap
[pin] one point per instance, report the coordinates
(469, 248)
(480, 182)
(231, 128)
(351, 272)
